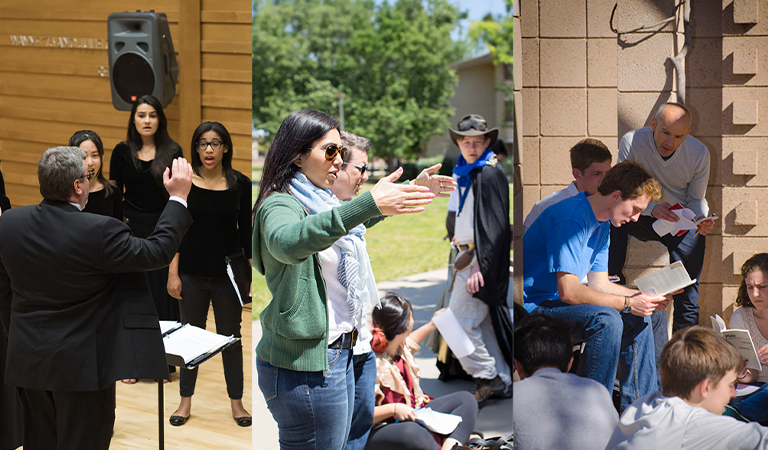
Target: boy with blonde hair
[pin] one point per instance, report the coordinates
(698, 373)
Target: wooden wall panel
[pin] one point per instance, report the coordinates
(225, 35)
(47, 93)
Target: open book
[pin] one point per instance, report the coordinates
(665, 280)
(739, 339)
(189, 346)
(437, 422)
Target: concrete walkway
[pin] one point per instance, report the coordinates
(424, 290)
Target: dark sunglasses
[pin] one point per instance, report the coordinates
(470, 124)
(332, 150)
(362, 168)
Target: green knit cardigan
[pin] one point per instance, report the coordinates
(286, 241)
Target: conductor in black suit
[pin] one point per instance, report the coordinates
(76, 306)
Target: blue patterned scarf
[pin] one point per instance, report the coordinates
(355, 271)
(462, 171)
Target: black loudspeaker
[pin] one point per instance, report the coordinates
(141, 58)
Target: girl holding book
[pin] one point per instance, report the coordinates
(752, 315)
(398, 392)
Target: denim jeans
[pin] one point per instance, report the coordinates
(313, 410)
(611, 339)
(365, 400)
(685, 248)
(660, 338)
(754, 406)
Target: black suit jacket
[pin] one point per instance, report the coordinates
(74, 301)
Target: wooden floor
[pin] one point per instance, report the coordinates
(210, 425)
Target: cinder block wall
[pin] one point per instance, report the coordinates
(576, 78)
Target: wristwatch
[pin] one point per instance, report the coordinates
(627, 308)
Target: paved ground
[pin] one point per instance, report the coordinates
(424, 290)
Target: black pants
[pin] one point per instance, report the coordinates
(142, 224)
(412, 436)
(196, 294)
(56, 420)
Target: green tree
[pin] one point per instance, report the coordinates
(390, 61)
(496, 34)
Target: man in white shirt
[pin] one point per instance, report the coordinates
(590, 159)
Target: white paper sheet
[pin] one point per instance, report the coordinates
(686, 222)
(453, 333)
(440, 423)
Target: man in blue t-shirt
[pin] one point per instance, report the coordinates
(569, 241)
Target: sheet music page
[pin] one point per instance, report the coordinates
(665, 280)
(740, 339)
(190, 341)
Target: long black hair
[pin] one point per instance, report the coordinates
(165, 147)
(226, 160)
(87, 135)
(294, 138)
(394, 315)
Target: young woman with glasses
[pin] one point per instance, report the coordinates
(308, 329)
(220, 205)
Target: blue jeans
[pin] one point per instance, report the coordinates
(754, 406)
(685, 248)
(362, 415)
(611, 339)
(313, 410)
(660, 338)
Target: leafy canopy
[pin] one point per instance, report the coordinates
(390, 61)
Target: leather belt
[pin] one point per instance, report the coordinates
(346, 340)
(465, 247)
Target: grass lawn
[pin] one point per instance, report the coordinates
(401, 245)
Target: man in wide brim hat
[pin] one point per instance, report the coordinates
(473, 125)
(481, 241)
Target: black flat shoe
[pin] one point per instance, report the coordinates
(243, 421)
(178, 421)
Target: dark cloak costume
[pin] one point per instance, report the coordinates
(492, 239)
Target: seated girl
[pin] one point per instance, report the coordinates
(753, 316)
(398, 392)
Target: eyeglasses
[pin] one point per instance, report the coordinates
(215, 144)
(469, 124)
(361, 168)
(332, 150)
(88, 176)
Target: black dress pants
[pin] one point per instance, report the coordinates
(67, 420)
(197, 293)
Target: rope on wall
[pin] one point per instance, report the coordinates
(676, 60)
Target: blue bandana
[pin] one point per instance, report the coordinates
(462, 171)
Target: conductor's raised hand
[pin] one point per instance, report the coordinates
(393, 199)
(440, 185)
(178, 179)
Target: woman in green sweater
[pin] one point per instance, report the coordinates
(307, 379)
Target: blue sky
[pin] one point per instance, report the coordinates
(479, 8)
